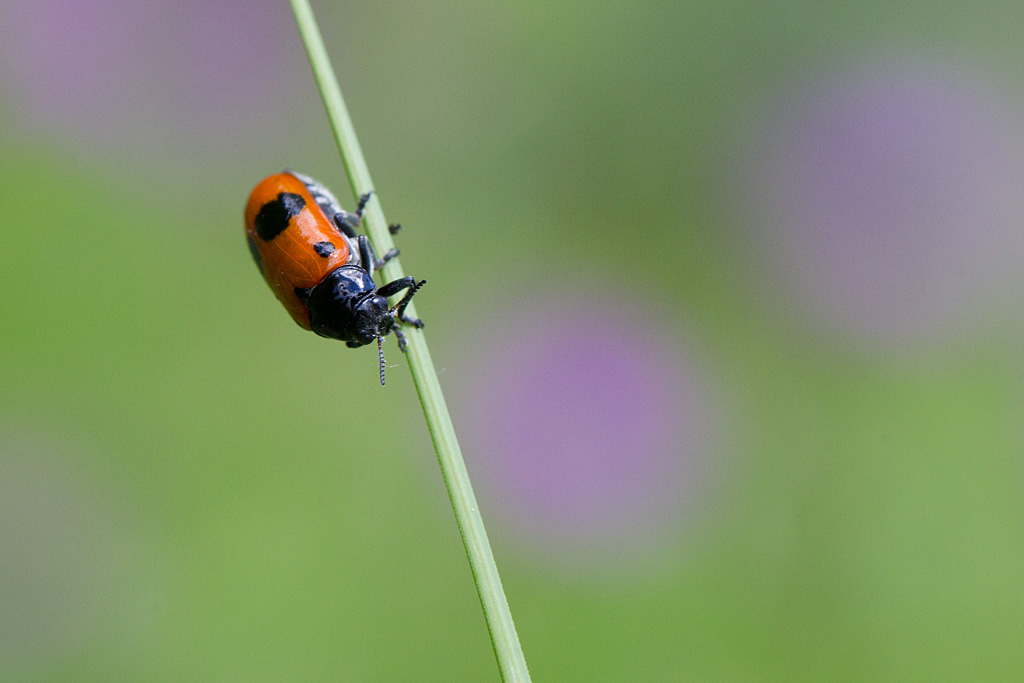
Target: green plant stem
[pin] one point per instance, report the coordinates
(507, 649)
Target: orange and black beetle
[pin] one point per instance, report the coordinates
(307, 249)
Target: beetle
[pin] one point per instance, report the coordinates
(307, 249)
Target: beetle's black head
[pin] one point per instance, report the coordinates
(346, 306)
(373, 320)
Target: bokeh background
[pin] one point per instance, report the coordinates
(726, 297)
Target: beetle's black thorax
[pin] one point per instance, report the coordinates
(346, 306)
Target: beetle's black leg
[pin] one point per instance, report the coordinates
(394, 228)
(362, 203)
(347, 223)
(401, 339)
(391, 253)
(400, 308)
(396, 286)
(367, 258)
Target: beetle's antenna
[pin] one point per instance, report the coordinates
(380, 354)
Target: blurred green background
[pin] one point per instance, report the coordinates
(726, 297)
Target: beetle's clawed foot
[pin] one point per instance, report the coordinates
(391, 253)
(415, 322)
(401, 339)
(362, 203)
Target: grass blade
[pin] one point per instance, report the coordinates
(507, 649)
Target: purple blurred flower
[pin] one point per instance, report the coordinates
(891, 196)
(585, 426)
(146, 74)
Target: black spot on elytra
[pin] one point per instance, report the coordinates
(255, 252)
(325, 249)
(273, 218)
